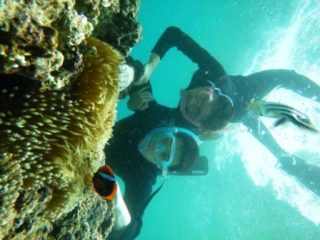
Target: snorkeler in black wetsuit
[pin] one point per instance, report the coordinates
(215, 98)
(127, 154)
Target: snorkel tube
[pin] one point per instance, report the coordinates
(189, 133)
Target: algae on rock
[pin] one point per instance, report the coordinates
(58, 93)
(53, 141)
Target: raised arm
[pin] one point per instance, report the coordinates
(258, 85)
(209, 68)
(174, 37)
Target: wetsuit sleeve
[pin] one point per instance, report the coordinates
(262, 83)
(136, 197)
(174, 37)
(259, 84)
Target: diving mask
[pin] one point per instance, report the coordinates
(163, 143)
(195, 104)
(165, 150)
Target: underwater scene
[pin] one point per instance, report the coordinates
(246, 194)
(162, 120)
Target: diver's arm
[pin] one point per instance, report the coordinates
(149, 68)
(174, 37)
(136, 199)
(258, 85)
(292, 80)
(132, 230)
(123, 217)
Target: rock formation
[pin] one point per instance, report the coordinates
(58, 93)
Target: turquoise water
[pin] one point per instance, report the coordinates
(245, 196)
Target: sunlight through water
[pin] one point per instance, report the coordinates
(291, 47)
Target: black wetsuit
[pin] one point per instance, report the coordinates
(123, 156)
(139, 175)
(241, 89)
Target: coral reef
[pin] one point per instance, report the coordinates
(10, 184)
(41, 40)
(120, 29)
(58, 92)
(83, 223)
(51, 142)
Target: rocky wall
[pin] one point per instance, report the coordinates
(58, 94)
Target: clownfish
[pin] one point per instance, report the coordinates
(104, 182)
(283, 113)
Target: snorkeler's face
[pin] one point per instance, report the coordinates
(161, 149)
(195, 104)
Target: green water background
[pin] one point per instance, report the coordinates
(225, 204)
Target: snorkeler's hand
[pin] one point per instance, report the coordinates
(148, 69)
(123, 217)
(139, 100)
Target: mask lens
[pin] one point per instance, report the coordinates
(204, 99)
(165, 150)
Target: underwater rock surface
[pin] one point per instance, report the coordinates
(58, 93)
(41, 40)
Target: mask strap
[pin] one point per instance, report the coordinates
(189, 133)
(164, 172)
(218, 90)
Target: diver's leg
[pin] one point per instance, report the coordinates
(252, 123)
(308, 175)
(259, 84)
